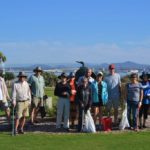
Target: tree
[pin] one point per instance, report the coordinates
(2, 58)
(50, 79)
(9, 76)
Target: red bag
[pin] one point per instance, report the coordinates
(107, 123)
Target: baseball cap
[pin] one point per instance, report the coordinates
(111, 66)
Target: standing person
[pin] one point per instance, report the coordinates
(84, 96)
(134, 96)
(63, 91)
(146, 99)
(4, 96)
(114, 91)
(37, 85)
(21, 98)
(99, 96)
(88, 75)
(73, 106)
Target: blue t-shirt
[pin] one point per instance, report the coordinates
(146, 92)
(113, 84)
(133, 91)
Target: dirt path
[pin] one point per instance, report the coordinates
(47, 125)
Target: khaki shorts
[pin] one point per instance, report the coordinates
(22, 109)
(36, 102)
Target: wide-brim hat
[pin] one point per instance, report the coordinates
(63, 75)
(145, 74)
(39, 69)
(22, 74)
(134, 75)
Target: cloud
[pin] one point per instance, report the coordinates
(56, 51)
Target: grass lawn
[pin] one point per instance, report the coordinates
(111, 141)
(50, 92)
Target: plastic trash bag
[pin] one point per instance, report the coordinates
(124, 121)
(89, 125)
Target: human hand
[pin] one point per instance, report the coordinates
(139, 105)
(73, 92)
(64, 93)
(14, 103)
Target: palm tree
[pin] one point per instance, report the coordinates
(2, 58)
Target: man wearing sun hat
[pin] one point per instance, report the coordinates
(114, 91)
(37, 84)
(21, 99)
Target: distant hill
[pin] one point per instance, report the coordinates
(131, 65)
(124, 65)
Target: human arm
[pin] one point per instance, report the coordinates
(29, 94)
(141, 98)
(5, 90)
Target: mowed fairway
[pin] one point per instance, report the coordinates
(43, 141)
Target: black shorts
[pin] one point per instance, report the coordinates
(98, 104)
(144, 111)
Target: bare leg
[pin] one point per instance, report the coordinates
(22, 122)
(16, 124)
(96, 113)
(32, 115)
(36, 113)
(7, 111)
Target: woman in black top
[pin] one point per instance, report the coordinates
(63, 91)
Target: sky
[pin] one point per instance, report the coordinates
(63, 31)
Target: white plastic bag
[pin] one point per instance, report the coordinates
(89, 125)
(124, 121)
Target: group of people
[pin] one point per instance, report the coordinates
(26, 94)
(91, 92)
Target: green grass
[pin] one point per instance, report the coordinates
(2, 113)
(119, 141)
(50, 92)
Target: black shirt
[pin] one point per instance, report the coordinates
(60, 88)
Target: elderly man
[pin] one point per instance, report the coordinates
(114, 91)
(21, 98)
(4, 96)
(88, 75)
(37, 85)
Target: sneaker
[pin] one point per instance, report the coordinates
(21, 131)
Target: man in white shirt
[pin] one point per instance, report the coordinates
(21, 98)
